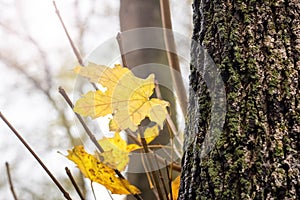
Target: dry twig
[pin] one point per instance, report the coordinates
(172, 56)
(60, 187)
(10, 182)
(74, 183)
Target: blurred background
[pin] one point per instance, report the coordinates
(36, 58)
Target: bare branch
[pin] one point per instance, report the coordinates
(82, 24)
(86, 128)
(175, 166)
(10, 181)
(75, 50)
(161, 176)
(172, 56)
(42, 54)
(170, 122)
(74, 183)
(169, 180)
(149, 159)
(60, 187)
(37, 84)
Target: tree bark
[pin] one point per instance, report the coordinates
(256, 46)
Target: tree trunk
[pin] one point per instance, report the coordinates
(134, 15)
(256, 46)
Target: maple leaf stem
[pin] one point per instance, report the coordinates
(10, 181)
(68, 172)
(60, 187)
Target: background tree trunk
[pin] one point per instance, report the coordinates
(136, 14)
(256, 46)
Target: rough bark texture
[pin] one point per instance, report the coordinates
(256, 46)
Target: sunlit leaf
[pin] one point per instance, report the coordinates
(116, 151)
(94, 104)
(98, 172)
(126, 97)
(113, 126)
(151, 133)
(175, 187)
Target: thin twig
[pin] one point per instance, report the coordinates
(40, 50)
(10, 181)
(74, 183)
(149, 160)
(172, 56)
(75, 50)
(13, 63)
(174, 133)
(93, 191)
(109, 194)
(89, 133)
(131, 135)
(161, 177)
(175, 166)
(86, 128)
(64, 192)
(169, 181)
(149, 175)
(174, 149)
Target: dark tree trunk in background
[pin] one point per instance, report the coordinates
(136, 14)
(256, 46)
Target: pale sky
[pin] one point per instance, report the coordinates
(25, 108)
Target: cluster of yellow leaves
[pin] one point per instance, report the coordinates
(100, 167)
(126, 97)
(116, 151)
(96, 171)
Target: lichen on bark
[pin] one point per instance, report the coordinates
(256, 46)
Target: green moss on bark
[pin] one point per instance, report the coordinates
(256, 46)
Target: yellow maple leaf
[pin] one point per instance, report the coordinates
(126, 97)
(113, 126)
(116, 151)
(151, 133)
(175, 188)
(94, 104)
(98, 172)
